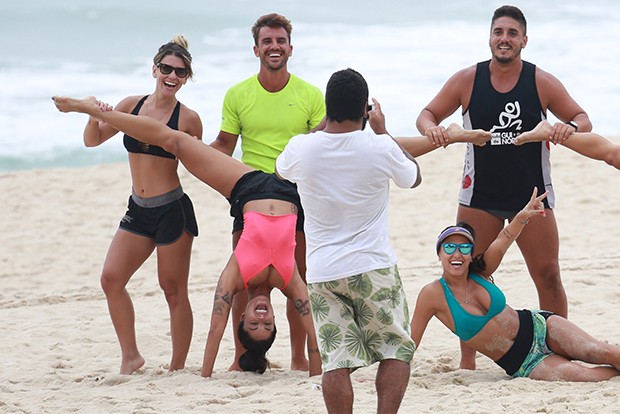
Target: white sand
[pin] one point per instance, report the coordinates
(60, 354)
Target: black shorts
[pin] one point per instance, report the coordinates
(258, 185)
(513, 359)
(163, 218)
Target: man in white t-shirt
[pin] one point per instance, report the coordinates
(359, 307)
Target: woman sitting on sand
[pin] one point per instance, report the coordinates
(269, 209)
(535, 344)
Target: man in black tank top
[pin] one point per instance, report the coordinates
(508, 96)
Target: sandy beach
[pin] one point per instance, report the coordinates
(60, 354)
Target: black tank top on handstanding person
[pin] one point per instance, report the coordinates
(133, 145)
(501, 175)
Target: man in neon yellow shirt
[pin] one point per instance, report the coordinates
(267, 110)
(267, 120)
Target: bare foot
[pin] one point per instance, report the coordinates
(541, 132)
(131, 365)
(87, 105)
(300, 365)
(478, 137)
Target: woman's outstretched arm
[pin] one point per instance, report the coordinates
(297, 292)
(498, 248)
(222, 302)
(212, 167)
(425, 309)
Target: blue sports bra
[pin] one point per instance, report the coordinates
(133, 145)
(466, 325)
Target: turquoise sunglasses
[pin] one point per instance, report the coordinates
(464, 248)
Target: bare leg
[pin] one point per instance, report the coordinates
(173, 270)
(338, 391)
(126, 254)
(567, 339)
(391, 383)
(487, 227)
(558, 368)
(594, 146)
(588, 144)
(418, 146)
(539, 244)
(209, 165)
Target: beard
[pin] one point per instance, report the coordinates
(506, 59)
(274, 68)
(503, 60)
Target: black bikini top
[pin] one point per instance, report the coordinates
(138, 147)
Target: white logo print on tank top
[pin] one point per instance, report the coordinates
(507, 119)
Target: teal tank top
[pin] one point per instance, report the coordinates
(466, 325)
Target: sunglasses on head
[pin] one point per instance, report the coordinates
(167, 70)
(464, 248)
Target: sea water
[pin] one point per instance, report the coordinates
(405, 49)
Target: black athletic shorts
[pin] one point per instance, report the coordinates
(163, 218)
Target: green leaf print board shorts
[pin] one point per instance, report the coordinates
(361, 319)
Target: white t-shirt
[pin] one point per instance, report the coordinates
(343, 182)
